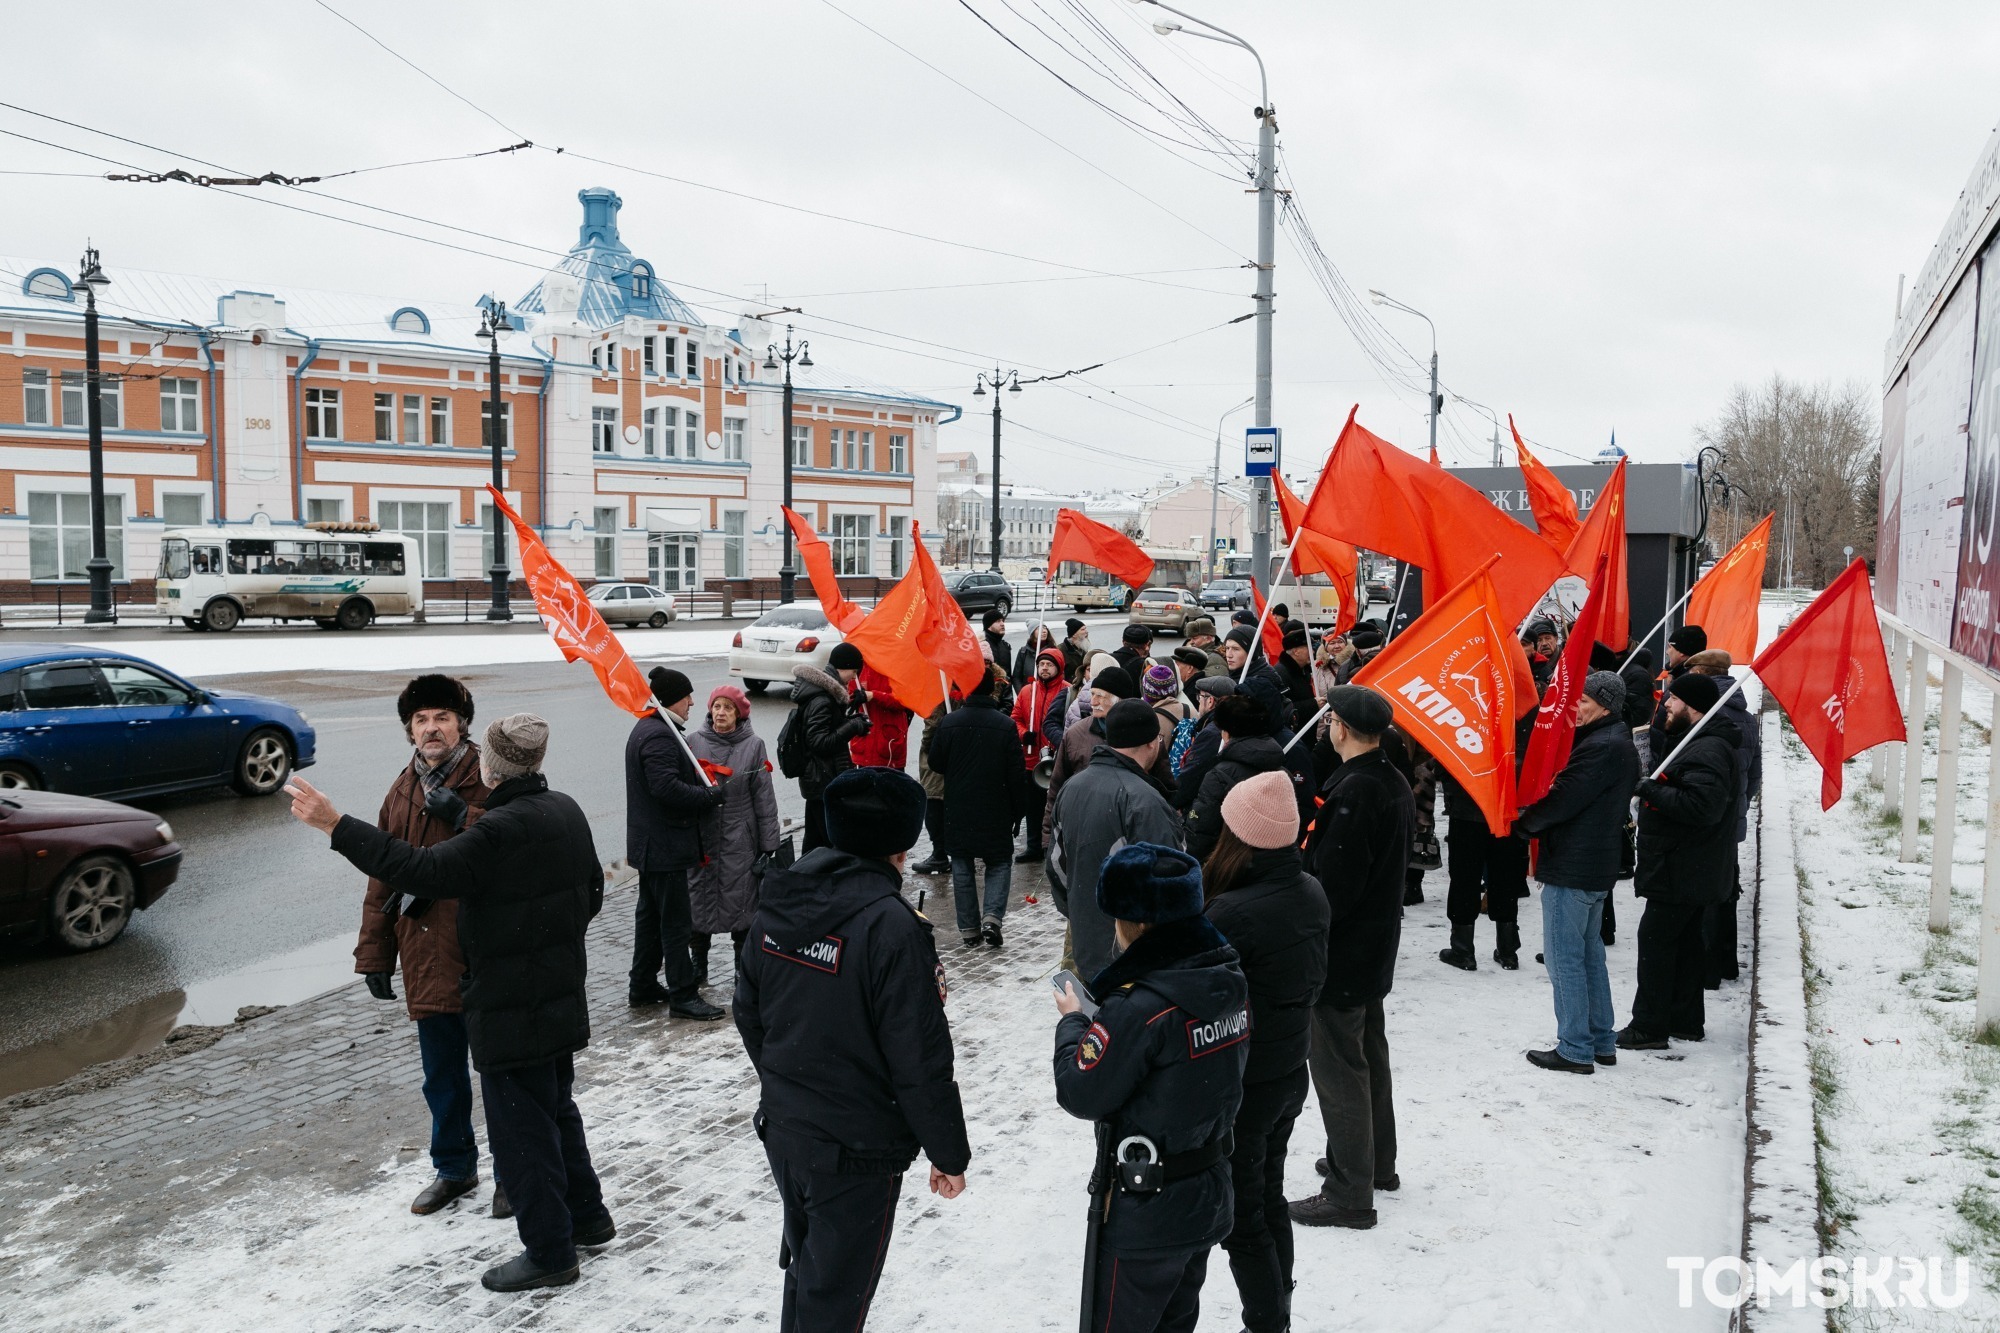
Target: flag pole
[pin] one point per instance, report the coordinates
(1695, 730)
(1257, 635)
(944, 682)
(1662, 625)
(1304, 729)
(673, 725)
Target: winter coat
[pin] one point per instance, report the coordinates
(1003, 652)
(932, 779)
(1639, 701)
(1265, 686)
(722, 891)
(1749, 759)
(827, 715)
(1112, 801)
(424, 937)
(985, 790)
(1276, 918)
(1169, 712)
(1032, 702)
(1074, 655)
(1298, 683)
(1656, 731)
(1216, 666)
(665, 799)
(528, 882)
(840, 1002)
(886, 743)
(1200, 757)
(1360, 849)
(1054, 717)
(1163, 1059)
(1581, 819)
(1039, 641)
(1073, 753)
(1687, 826)
(1132, 659)
(1239, 759)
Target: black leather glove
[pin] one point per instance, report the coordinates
(378, 985)
(447, 806)
(762, 865)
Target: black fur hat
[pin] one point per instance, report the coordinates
(1149, 884)
(434, 691)
(874, 812)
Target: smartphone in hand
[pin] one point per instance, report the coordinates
(1065, 977)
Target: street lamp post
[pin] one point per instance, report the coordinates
(1215, 480)
(1013, 383)
(101, 611)
(492, 323)
(787, 575)
(1437, 400)
(1267, 215)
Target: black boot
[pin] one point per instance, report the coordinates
(1460, 954)
(1507, 945)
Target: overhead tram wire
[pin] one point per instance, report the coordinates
(420, 69)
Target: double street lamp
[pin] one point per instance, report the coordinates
(92, 277)
(1013, 385)
(492, 323)
(1436, 401)
(787, 575)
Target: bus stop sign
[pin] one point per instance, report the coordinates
(1260, 450)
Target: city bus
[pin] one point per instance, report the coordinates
(337, 575)
(1313, 599)
(1082, 587)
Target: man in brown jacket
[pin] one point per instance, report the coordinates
(437, 794)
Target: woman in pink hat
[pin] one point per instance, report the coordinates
(722, 890)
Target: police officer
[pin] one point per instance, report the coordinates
(840, 1000)
(1159, 1066)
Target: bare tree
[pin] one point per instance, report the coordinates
(1809, 453)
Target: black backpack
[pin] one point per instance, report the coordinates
(792, 754)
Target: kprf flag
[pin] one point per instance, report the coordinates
(1274, 638)
(1457, 680)
(1724, 601)
(1549, 500)
(917, 636)
(1375, 496)
(1555, 721)
(1603, 535)
(573, 622)
(1316, 553)
(1088, 542)
(1831, 673)
(818, 557)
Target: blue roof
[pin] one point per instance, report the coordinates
(613, 283)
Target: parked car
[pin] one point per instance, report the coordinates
(1382, 588)
(771, 645)
(632, 604)
(1226, 595)
(77, 868)
(93, 722)
(1163, 608)
(978, 590)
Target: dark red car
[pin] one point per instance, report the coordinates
(77, 868)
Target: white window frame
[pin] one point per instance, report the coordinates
(867, 463)
(852, 539)
(604, 542)
(603, 431)
(110, 394)
(691, 354)
(440, 420)
(433, 542)
(802, 444)
(899, 453)
(691, 431)
(35, 388)
(69, 535)
(506, 423)
(316, 509)
(648, 362)
(411, 418)
(184, 397)
(198, 498)
(734, 432)
(649, 432)
(670, 356)
(385, 418)
(322, 414)
(735, 543)
(899, 536)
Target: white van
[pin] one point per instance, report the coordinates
(337, 575)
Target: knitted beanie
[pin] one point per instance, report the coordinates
(515, 745)
(1262, 812)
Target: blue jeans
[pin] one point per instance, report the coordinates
(999, 882)
(1574, 952)
(447, 1060)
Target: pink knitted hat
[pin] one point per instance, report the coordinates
(1261, 811)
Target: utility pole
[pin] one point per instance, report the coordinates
(101, 611)
(1013, 383)
(787, 574)
(493, 323)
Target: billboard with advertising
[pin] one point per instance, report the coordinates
(1979, 560)
(1933, 471)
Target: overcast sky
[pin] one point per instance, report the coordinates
(1611, 215)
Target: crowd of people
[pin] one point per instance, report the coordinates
(1231, 840)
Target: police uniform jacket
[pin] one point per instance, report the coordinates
(840, 1002)
(1164, 1059)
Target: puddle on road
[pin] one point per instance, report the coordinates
(286, 978)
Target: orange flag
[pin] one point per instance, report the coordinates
(1374, 495)
(818, 558)
(1274, 638)
(1550, 501)
(1313, 553)
(1724, 602)
(1089, 542)
(1831, 673)
(917, 636)
(1603, 534)
(1457, 679)
(573, 622)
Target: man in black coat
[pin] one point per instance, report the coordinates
(1360, 849)
(1209, 692)
(1295, 673)
(1484, 866)
(528, 881)
(1638, 677)
(1246, 750)
(828, 713)
(840, 1001)
(1687, 860)
(1134, 650)
(978, 754)
(1075, 648)
(1581, 824)
(1261, 682)
(1718, 926)
(665, 799)
(995, 625)
(1682, 644)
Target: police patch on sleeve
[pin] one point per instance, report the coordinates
(1096, 1041)
(1207, 1036)
(944, 991)
(821, 955)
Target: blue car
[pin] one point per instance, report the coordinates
(101, 723)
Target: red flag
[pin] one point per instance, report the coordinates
(1831, 673)
(917, 635)
(1089, 542)
(1313, 553)
(1274, 638)
(818, 558)
(573, 622)
(1603, 534)
(1724, 602)
(1552, 504)
(1457, 679)
(1374, 495)
(1555, 723)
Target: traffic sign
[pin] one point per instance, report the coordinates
(1260, 450)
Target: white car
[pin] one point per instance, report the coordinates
(632, 604)
(771, 645)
